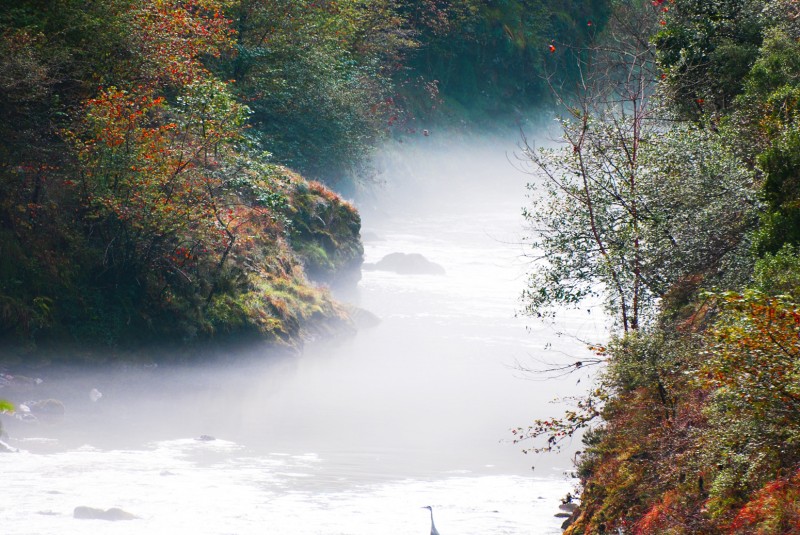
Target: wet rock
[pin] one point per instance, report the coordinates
(562, 515)
(90, 513)
(363, 319)
(573, 517)
(369, 236)
(406, 264)
(205, 438)
(19, 382)
(46, 406)
(568, 507)
(24, 415)
(43, 410)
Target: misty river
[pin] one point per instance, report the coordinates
(352, 437)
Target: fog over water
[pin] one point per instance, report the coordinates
(354, 436)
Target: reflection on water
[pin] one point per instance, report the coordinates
(351, 437)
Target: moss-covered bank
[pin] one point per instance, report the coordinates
(271, 289)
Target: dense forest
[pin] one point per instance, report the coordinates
(166, 166)
(675, 200)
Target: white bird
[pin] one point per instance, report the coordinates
(434, 531)
(95, 394)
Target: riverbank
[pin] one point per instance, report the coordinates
(272, 289)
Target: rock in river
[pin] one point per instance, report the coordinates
(406, 264)
(90, 513)
(364, 319)
(44, 410)
(51, 407)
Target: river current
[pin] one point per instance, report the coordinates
(352, 437)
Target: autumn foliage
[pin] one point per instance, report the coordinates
(696, 424)
(135, 207)
(773, 509)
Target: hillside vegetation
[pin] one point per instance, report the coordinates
(165, 166)
(675, 199)
(137, 203)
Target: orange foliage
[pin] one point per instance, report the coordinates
(775, 509)
(174, 35)
(757, 354)
(155, 177)
(656, 519)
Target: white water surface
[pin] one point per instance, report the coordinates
(349, 438)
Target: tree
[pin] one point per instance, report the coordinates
(701, 206)
(587, 219)
(487, 59)
(134, 206)
(699, 427)
(317, 77)
(706, 48)
(634, 203)
(751, 368)
(767, 122)
(153, 177)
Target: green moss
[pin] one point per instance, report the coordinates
(325, 233)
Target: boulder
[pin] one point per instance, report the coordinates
(406, 264)
(50, 407)
(19, 382)
(362, 318)
(369, 236)
(90, 513)
(43, 410)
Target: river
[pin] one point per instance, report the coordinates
(352, 437)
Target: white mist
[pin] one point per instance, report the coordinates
(352, 437)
